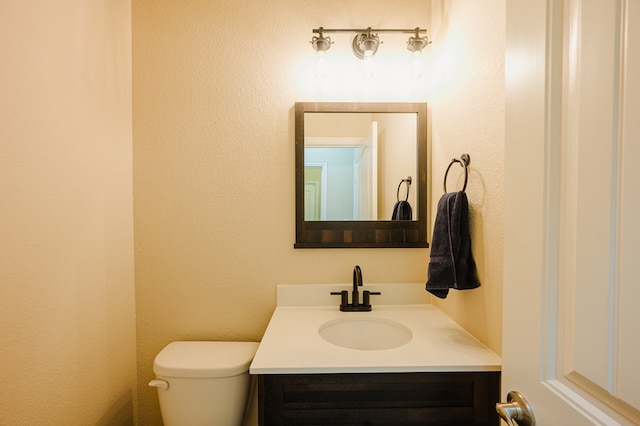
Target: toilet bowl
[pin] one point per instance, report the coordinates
(203, 383)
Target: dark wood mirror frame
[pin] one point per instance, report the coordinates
(372, 233)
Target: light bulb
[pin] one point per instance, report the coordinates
(417, 66)
(321, 71)
(368, 65)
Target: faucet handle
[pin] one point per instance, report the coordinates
(344, 301)
(366, 300)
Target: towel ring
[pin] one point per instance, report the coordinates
(408, 182)
(464, 161)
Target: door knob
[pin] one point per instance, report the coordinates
(516, 411)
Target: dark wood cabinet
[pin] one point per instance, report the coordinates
(451, 399)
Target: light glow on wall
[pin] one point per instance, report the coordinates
(450, 66)
(393, 75)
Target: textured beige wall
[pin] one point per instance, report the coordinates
(214, 89)
(468, 114)
(67, 334)
(213, 181)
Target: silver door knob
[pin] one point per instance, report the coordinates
(516, 411)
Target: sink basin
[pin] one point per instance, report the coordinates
(368, 333)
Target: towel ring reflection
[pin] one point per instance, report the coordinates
(464, 161)
(408, 182)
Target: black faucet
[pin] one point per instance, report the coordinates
(357, 282)
(355, 305)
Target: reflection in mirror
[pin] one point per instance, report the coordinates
(353, 161)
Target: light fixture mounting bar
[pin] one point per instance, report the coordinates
(364, 30)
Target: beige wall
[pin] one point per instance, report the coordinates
(213, 173)
(67, 334)
(214, 89)
(467, 102)
(397, 161)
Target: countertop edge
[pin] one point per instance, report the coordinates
(355, 370)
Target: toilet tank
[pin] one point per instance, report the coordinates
(203, 383)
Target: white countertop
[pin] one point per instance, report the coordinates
(292, 345)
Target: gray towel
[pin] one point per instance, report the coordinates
(451, 264)
(402, 211)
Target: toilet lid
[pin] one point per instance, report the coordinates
(204, 359)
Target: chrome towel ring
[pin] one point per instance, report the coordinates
(464, 161)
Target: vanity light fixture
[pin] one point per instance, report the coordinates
(366, 41)
(415, 46)
(365, 45)
(417, 43)
(320, 43)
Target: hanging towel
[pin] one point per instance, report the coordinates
(402, 211)
(451, 264)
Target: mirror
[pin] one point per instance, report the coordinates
(357, 163)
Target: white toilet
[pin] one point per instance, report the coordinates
(203, 383)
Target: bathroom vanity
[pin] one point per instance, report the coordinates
(464, 398)
(403, 363)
